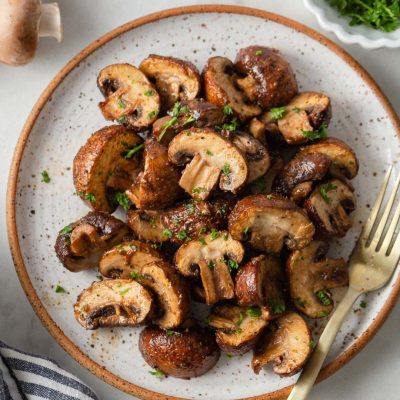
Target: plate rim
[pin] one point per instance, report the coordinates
(67, 344)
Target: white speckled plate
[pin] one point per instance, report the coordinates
(67, 113)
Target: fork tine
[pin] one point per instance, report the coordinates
(390, 233)
(385, 216)
(375, 209)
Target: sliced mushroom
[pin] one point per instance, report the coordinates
(130, 97)
(119, 302)
(311, 275)
(81, 244)
(269, 222)
(210, 158)
(296, 178)
(220, 86)
(147, 225)
(344, 162)
(329, 206)
(193, 113)
(184, 353)
(238, 328)
(268, 78)
(127, 259)
(257, 129)
(175, 79)
(260, 282)
(171, 292)
(156, 187)
(101, 168)
(212, 257)
(263, 185)
(287, 345)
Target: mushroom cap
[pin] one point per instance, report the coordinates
(175, 79)
(213, 150)
(237, 328)
(220, 88)
(269, 79)
(81, 244)
(185, 353)
(260, 282)
(147, 225)
(171, 291)
(130, 97)
(270, 221)
(115, 302)
(98, 162)
(310, 273)
(157, 186)
(344, 162)
(127, 258)
(287, 345)
(329, 206)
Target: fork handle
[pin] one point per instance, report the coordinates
(307, 378)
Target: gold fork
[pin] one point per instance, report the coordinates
(372, 264)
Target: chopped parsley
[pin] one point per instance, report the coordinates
(222, 209)
(191, 208)
(210, 264)
(99, 277)
(136, 276)
(323, 297)
(226, 169)
(130, 152)
(254, 312)
(231, 126)
(149, 93)
(232, 264)
(59, 289)
(214, 234)
(167, 232)
(277, 306)
(158, 374)
(320, 133)
(209, 153)
(240, 320)
(227, 109)
(246, 230)
(122, 200)
(311, 344)
(259, 53)
(363, 304)
(170, 332)
(296, 109)
(182, 235)
(124, 292)
(90, 197)
(167, 125)
(45, 177)
(66, 229)
(299, 302)
(152, 114)
(202, 241)
(325, 189)
(189, 120)
(277, 113)
(198, 190)
(323, 313)
(121, 104)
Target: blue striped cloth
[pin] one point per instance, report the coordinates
(24, 376)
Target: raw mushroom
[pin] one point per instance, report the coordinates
(81, 244)
(127, 259)
(210, 158)
(238, 328)
(269, 222)
(344, 162)
(103, 166)
(22, 22)
(116, 302)
(185, 353)
(156, 187)
(130, 97)
(220, 87)
(297, 176)
(175, 79)
(260, 283)
(329, 206)
(311, 275)
(267, 79)
(212, 257)
(287, 345)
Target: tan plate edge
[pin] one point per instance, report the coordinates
(23, 276)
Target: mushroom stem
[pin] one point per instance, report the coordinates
(50, 21)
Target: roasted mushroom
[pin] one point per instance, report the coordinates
(175, 79)
(127, 259)
(105, 165)
(238, 328)
(269, 222)
(267, 79)
(184, 353)
(156, 187)
(287, 344)
(147, 225)
(311, 275)
(130, 97)
(81, 244)
(263, 184)
(212, 257)
(329, 206)
(344, 162)
(297, 176)
(260, 282)
(220, 86)
(210, 158)
(257, 129)
(116, 302)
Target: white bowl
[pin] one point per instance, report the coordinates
(368, 38)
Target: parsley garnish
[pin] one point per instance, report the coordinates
(254, 312)
(189, 120)
(227, 109)
(232, 264)
(214, 234)
(222, 209)
(324, 189)
(246, 230)
(231, 126)
(259, 53)
(130, 152)
(226, 169)
(121, 104)
(45, 177)
(320, 133)
(202, 241)
(59, 289)
(296, 109)
(149, 93)
(323, 297)
(124, 292)
(167, 232)
(152, 114)
(363, 304)
(311, 344)
(66, 229)
(209, 153)
(136, 276)
(198, 190)
(158, 374)
(167, 125)
(277, 113)
(211, 264)
(240, 320)
(276, 306)
(299, 302)
(182, 235)
(323, 313)
(122, 200)
(170, 332)
(90, 197)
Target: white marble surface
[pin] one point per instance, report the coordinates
(372, 375)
